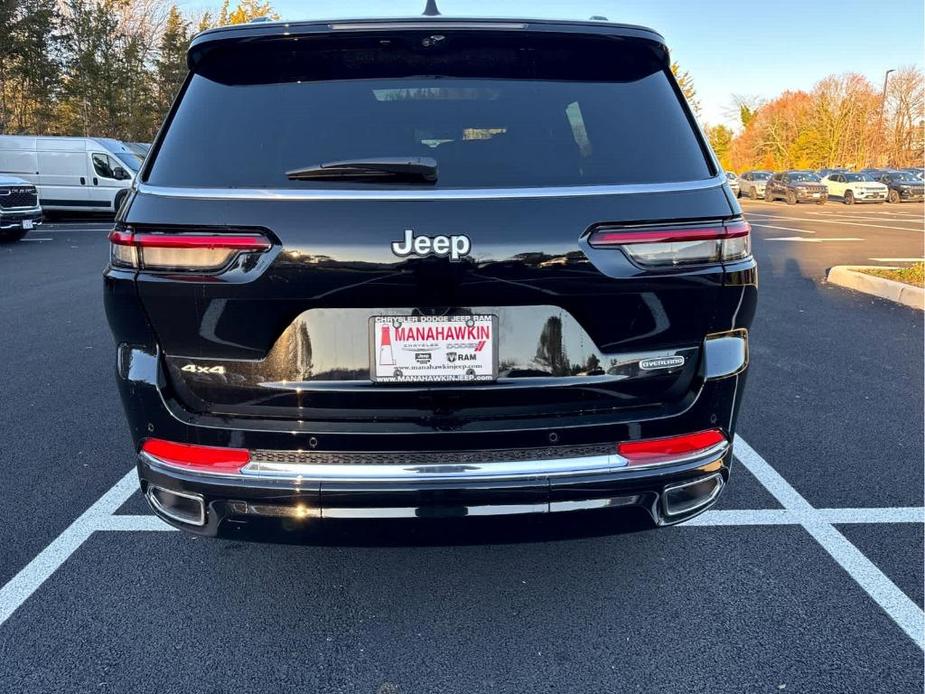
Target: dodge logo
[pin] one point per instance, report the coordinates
(456, 247)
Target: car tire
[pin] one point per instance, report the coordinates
(753, 194)
(791, 198)
(12, 236)
(849, 197)
(892, 196)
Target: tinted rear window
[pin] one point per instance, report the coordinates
(508, 115)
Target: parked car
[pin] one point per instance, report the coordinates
(752, 183)
(20, 210)
(72, 173)
(855, 187)
(915, 171)
(796, 186)
(903, 186)
(733, 183)
(355, 320)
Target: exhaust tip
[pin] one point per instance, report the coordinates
(182, 507)
(687, 497)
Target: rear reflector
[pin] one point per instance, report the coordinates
(192, 456)
(669, 448)
(678, 245)
(181, 251)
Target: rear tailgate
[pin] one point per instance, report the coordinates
(540, 137)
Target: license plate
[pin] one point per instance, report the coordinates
(433, 349)
(27, 224)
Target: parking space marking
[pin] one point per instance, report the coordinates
(803, 239)
(901, 609)
(34, 239)
(819, 523)
(73, 231)
(37, 571)
(898, 260)
(768, 226)
(831, 221)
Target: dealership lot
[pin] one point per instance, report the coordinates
(807, 578)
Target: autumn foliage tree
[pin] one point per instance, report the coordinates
(837, 123)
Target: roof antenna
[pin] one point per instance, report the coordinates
(431, 9)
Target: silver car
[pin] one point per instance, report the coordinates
(753, 183)
(733, 183)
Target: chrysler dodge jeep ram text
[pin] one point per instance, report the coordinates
(429, 267)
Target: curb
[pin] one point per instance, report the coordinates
(848, 276)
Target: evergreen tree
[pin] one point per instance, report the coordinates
(30, 71)
(170, 66)
(686, 83)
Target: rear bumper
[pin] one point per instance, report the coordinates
(670, 492)
(296, 478)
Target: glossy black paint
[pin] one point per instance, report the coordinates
(288, 327)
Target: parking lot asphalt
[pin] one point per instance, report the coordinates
(808, 577)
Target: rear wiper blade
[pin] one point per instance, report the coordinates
(422, 169)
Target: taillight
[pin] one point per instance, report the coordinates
(678, 245)
(670, 448)
(181, 251)
(192, 456)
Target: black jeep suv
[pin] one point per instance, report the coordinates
(429, 267)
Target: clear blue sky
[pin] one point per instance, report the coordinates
(745, 47)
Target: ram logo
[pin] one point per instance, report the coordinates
(661, 363)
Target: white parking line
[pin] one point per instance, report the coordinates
(37, 571)
(73, 231)
(898, 260)
(768, 226)
(829, 221)
(101, 517)
(803, 239)
(901, 609)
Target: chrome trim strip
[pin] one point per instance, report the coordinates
(433, 194)
(158, 506)
(306, 473)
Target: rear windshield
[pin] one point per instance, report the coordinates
(515, 114)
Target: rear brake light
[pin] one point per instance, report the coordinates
(181, 251)
(678, 245)
(670, 448)
(192, 456)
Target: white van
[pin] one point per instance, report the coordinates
(72, 173)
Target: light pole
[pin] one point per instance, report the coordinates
(886, 77)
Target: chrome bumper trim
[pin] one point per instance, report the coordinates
(360, 474)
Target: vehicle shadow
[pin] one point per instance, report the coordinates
(441, 532)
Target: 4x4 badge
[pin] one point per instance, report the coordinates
(456, 246)
(197, 369)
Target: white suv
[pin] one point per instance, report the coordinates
(855, 187)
